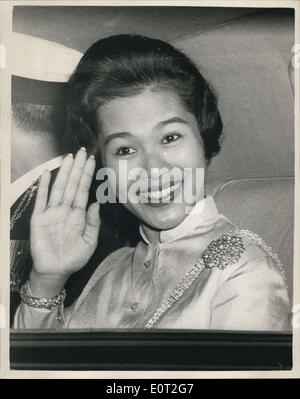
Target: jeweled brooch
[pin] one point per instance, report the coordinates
(224, 251)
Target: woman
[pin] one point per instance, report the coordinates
(142, 101)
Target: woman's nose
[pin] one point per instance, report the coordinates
(153, 161)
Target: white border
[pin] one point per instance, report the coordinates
(5, 37)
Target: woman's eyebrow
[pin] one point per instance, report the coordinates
(116, 135)
(175, 119)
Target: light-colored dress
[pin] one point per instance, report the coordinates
(203, 274)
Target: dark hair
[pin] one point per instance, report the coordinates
(43, 119)
(34, 118)
(122, 66)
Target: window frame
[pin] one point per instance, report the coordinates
(154, 350)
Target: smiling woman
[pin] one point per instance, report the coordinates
(164, 137)
(142, 101)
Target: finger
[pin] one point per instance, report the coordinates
(42, 193)
(59, 185)
(82, 194)
(92, 227)
(74, 177)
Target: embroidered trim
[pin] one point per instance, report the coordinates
(220, 253)
(256, 239)
(177, 292)
(24, 203)
(19, 250)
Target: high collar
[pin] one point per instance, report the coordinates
(202, 215)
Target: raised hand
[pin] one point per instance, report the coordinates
(63, 234)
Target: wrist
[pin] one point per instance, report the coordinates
(41, 303)
(46, 285)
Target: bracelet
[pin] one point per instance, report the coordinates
(41, 303)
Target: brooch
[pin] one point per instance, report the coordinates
(224, 251)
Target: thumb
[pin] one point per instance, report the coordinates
(92, 227)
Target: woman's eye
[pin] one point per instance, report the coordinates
(125, 151)
(170, 138)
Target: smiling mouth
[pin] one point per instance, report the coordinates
(160, 196)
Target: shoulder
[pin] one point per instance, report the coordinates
(251, 289)
(237, 249)
(259, 256)
(241, 259)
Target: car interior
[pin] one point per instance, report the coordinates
(246, 55)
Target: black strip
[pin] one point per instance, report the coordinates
(155, 350)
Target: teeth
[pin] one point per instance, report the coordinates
(159, 195)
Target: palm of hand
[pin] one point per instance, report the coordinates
(63, 234)
(57, 240)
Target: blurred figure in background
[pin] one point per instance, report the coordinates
(39, 142)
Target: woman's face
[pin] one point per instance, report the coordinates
(153, 131)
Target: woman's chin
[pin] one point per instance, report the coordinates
(165, 217)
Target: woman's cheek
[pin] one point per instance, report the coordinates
(192, 155)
